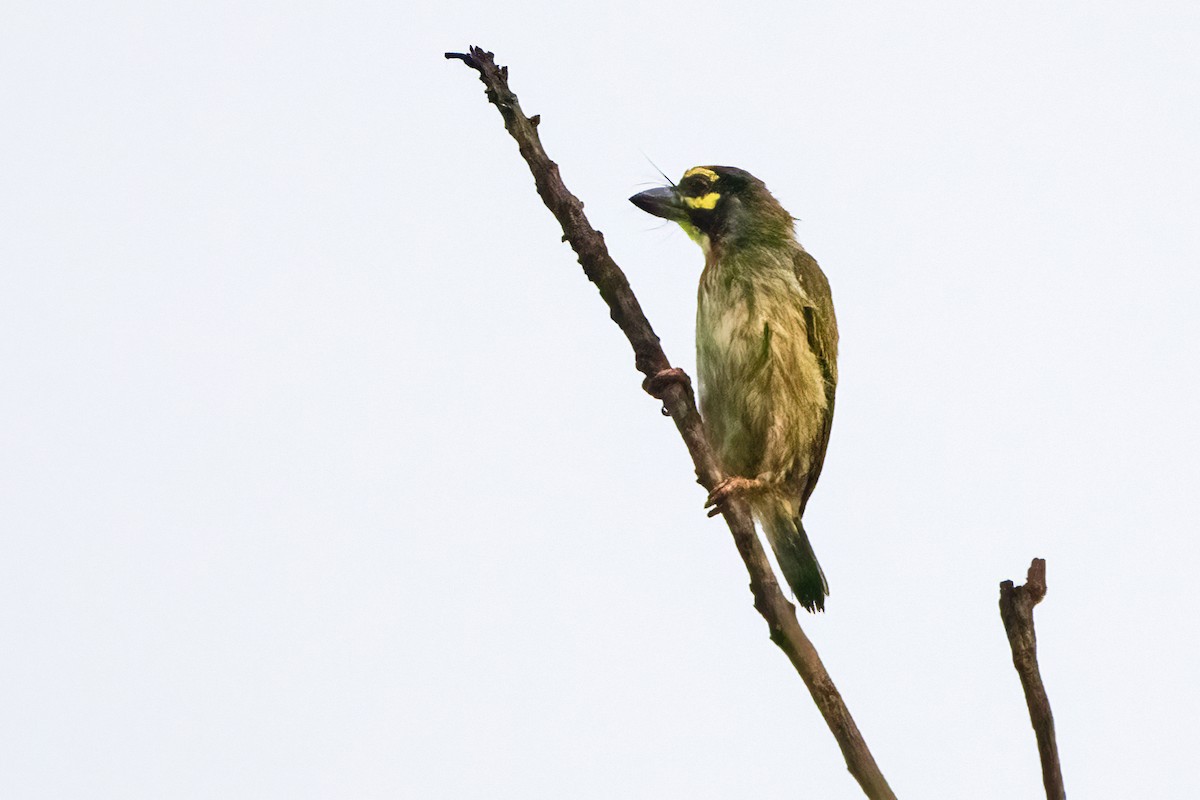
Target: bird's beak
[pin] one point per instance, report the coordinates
(661, 202)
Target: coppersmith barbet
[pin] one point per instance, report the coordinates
(766, 355)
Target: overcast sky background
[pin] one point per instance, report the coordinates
(324, 473)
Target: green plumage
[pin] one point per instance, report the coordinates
(766, 352)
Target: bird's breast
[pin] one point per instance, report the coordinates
(761, 387)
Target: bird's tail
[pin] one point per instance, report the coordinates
(796, 558)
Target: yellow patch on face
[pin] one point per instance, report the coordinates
(705, 171)
(707, 202)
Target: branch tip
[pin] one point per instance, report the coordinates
(1035, 580)
(477, 58)
(1016, 612)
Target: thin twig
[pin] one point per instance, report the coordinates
(1016, 611)
(680, 403)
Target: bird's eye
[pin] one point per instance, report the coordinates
(695, 185)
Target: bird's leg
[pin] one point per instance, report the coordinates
(656, 385)
(735, 486)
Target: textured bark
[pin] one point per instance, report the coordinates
(1016, 611)
(680, 403)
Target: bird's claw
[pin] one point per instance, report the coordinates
(656, 385)
(732, 487)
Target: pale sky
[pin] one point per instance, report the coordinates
(325, 474)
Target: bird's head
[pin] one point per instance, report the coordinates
(720, 206)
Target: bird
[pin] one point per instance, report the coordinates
(766, 356)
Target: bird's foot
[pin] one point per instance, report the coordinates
(656, 385)
(732, 487)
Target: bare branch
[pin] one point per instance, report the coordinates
(1016, 611)
(679, 401)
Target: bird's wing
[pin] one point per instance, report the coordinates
(821, 326)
